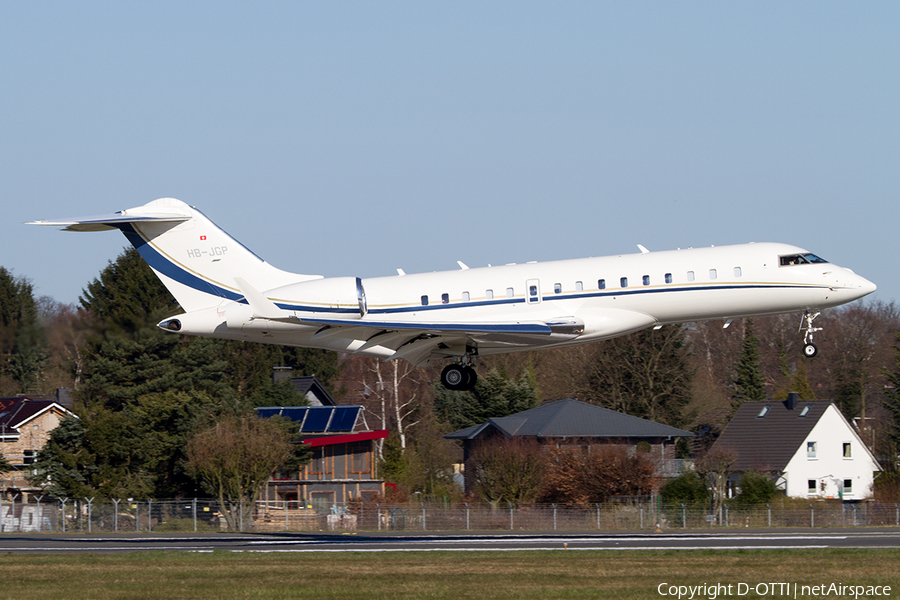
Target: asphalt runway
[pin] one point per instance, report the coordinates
(428, 542)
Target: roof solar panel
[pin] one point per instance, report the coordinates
(265, 413)
(295, 413)
(344, 418)
(317, 419)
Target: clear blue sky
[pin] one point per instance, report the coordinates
(352, 138)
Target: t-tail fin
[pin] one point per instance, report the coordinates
(196, 260)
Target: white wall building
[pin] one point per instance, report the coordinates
(810, 449)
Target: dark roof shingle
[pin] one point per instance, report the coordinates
(768, 442)
(573, 418)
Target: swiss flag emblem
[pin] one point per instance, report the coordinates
(202, 238)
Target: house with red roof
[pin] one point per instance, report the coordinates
(25, 426)
(343, 465)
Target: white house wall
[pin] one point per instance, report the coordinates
(829, 468)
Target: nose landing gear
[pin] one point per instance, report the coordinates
(806, 326)
(459, 377)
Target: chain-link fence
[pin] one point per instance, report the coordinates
(86, 515)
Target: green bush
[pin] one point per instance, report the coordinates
(756, 488)
(687, 488)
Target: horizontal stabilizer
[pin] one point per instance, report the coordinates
(112, 221)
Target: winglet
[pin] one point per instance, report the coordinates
(263, 308)
(642, 249)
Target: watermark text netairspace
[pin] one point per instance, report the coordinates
(711, 591)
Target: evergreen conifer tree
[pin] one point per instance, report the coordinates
(750, 384)
(495, 395)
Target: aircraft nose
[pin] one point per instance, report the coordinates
(861, 286)
(866, 287)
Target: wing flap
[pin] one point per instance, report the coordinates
(520, 327)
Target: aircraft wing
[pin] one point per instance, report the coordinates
(419, 343)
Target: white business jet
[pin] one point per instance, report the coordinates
(228, 292)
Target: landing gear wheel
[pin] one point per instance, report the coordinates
(810, 350)
(458, 378)
(454, 377)
(473, 377)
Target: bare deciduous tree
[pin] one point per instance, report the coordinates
(715, 467)
(235, 457)
(509, 470)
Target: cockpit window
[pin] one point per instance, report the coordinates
(800, 259)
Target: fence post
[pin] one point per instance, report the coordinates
(769, 514)
(642, 515)
(897, 511)
(510, 516)
(137, 516)
(287, 524)
(598, 516)
(194, 512)
(423, 517)
(467, 516)
(63, 501)
(812, 516)
(40, 515)
(554, 517)
(378, 515)
(12, 513)
(89, 501)
(149, 515)
(726, 516)
(116, 515)
(241, 515)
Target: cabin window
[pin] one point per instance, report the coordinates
(532, 291)
(623, 282)
(579, 286)
(425, 300)
(668, 278)
(557, 288)
(465, 296)
(601, 284)
(690, 275)
(712, 274)
(645, 280)
(445, 298)
(510, 292)
(848, 453)
(810, 449)
(489, 294)
(737, 271)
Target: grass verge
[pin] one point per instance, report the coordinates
(452, 575)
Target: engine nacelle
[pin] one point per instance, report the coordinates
(334, 296)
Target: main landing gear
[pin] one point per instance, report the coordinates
(459, 377)
(806, 326)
